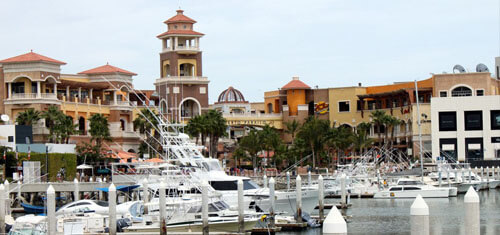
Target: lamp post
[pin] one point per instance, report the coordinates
(47, 161)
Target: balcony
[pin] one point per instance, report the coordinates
(32, 98)
(183, 49)
(183, 79)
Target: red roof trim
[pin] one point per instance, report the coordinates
(31, 57)
(183, 32)
(107, 69)
(180, 17)
(295, 84)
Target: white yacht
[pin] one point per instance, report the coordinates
(410, 188)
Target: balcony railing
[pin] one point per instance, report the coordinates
(182, 48)
(19, 96)
(183, 78)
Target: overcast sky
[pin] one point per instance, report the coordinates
(258, 45)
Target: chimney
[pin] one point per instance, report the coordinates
(359, 84)
(295, 78)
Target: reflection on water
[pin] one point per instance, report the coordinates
(392, 216)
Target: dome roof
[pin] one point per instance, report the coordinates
(231, 95)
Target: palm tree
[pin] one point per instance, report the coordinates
(28, 117)
(52, 115)
(291, 128)
(378, 119)
(196, 127)
(393, 122)
(216, 128)
(313, 132)
(361, 141)
(65, 128)
(362, 132)
(99, 129)
(251, 144)
(269, 139)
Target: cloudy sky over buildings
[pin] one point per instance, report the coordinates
(259, 45)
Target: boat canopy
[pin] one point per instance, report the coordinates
(123, 188)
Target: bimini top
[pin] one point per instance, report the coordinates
(231, 95)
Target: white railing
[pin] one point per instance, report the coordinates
(182, 48)
(122, 103)
(185, 78)
(18, 96)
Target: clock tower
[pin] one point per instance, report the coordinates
(182, 88)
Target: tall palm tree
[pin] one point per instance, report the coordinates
(362, 132)
(65, 128)
(291, 128)
(52, 116)
(196, 127)
(28, 117)
(393, 123)
(269, 139)
(378, 119)
(313, 132)
(216, 128)
(251, 144)
(99, 129)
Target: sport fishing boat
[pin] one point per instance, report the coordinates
(410, 188)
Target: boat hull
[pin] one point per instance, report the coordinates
(213, 226)
(434, 193)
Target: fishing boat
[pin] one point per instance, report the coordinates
(409, 188)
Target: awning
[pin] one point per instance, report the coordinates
(84, 166)
(448, 147)
(474, 146)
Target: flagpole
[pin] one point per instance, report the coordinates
(419, 133)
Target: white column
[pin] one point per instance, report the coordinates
(112, 209)
(10, 90)
(67, 93)
(176, 43)
(38, 90)
(55, 89)
(79, 93)
(198, 43)
(114, 97)
(91, 96)
(51, 210)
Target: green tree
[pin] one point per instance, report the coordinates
(52, 115)
(99, 129)
(196, 128)
(378, 120)
(64, 128)
(216, 128)
(313, 133)
(392, 123)
(28, 117)
(251, 144)
(269, 139)
(292, 127)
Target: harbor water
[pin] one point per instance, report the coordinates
(392, 216)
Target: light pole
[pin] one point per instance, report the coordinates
(47, 161)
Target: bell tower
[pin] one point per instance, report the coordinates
(182, 88)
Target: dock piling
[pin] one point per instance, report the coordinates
(51, 211)
(321, 198)
(265, 181)
(241, 209)
(298, 190)
(343, 198)
(472, 214)
(76, 192)
(334, 223)
(440, 175)
(2, 209)
(419, 220)
(163, 207)
(288, 181)
(470, 175)
(7, 197)
(309, 180)
(204, 207)
(112, 209)
(448, 177)
(272, 201)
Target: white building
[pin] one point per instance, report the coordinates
(466, 128)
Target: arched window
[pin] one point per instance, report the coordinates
(81, 125)
(461, 91)
(122, 124)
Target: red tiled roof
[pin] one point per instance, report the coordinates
(178, 31)
(105, 69)
(180, 17)
(295, 84)
(31, 57)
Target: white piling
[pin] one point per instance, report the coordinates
(76, 192)
(462, 174)
(343, 192)
(272, 201)
(498, 173)
(309, 178)
(448, 177)
(298, 190)
(488, 175)
(241, 207)
(326, 174)
(472, 214)
(145, 190)
(265, 181)
(455, 172)
(7, 196)
(321, 198)
(51, 211)
(440, 175)
(2, 209)
(204, 207)
(470, 175)
(334, 223)
(419, 217)
(163, 207)
(112, 209)
(288, 181)
(19, 186)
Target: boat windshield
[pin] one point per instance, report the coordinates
(212, 207)
(409, 182)
(214, 166)
(102, 203)
(232, 185)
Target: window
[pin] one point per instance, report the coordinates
(473, 120)
(203, 90)
(175, 90)
(344, 106)
(496, 144)
(358, 105)
(461, 91)
(448, 149)
(11, 139)
(412, 188)
(18, 88)
(443, 94)
(474, 148)
(396, 189)
(495, 119)
(479, 92)
(371, 104)
(34, 86)
(447, 121)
